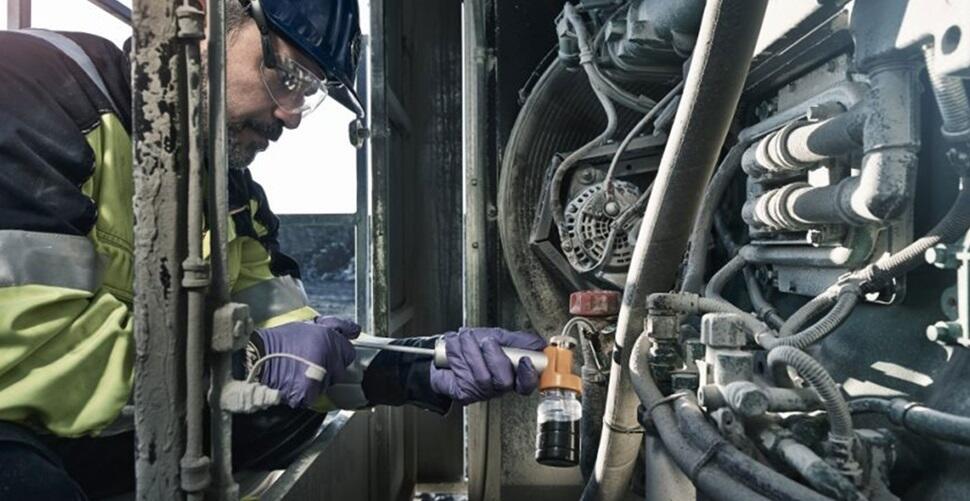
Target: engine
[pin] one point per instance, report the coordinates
(786, 228)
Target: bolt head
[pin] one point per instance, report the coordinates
(721, 330)
(942, 256)
(944, 332)
(612, 209)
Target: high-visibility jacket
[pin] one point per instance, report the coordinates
(66, 245)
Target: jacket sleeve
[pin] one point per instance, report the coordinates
(262, 276)
(66, 349)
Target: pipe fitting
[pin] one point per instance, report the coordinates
(951, 99)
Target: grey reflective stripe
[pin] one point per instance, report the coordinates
(272, 297)
(347, 392)
(30, 257)
(71, 49)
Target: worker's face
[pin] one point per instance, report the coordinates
(254, 118)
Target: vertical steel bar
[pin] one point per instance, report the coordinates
(195, 276)
(361, 219)
(159, 214)
(224, 487)
(18, 14)
(379, 247)
(475, 263)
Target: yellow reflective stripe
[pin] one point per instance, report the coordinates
(31, 257)
(272, 297)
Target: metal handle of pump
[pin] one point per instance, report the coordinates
(440, 354)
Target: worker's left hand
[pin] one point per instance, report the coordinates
(479, 369)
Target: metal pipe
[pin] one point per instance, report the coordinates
(224, 486)
(195, 277)
(728, 33)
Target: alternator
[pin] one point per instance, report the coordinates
(588, 227)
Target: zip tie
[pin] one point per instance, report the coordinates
(666, 400)
(705, 458)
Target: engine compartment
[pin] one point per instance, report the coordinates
(787, 239)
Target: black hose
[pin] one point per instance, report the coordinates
(697, 251)
(723, 276)
(740, 466)
(840, 418)
(808, 311)
(918, 418)
(766, 311)
(847, 300)
(953, 225)
(706, 475)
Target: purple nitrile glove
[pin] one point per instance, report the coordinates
(479, 369)
(341, 325)
(325, 342)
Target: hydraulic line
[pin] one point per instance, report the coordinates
(761, 305)
(586, 58)
(697, 252)
(764, 309)
(715, 79)
(634, 132)
(838, 410)
(715, 466)
(917, 418)
(624, 218)
(847, 300)
(953, 225)
(723, 276)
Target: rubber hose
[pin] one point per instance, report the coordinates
(753, 474)
(715, 80)
(761, 305)
(723, 276)
(918, 418)
(840, 419)
(808, 311)
(697, 251)
(953, 225)
(847, 301)
(706, 475)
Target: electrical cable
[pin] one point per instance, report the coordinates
(313, 371)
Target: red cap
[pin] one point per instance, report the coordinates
(594, 303)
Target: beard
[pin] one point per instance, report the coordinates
(241, 153)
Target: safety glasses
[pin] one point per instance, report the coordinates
(293, 87)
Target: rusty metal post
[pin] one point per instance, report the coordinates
(159, 208)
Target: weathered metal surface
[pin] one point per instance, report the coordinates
(159, 214)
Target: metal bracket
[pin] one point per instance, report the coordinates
(231, 326)
(953, 257)
(190, 22)
(882, 27)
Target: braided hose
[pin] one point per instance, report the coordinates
(811, 371)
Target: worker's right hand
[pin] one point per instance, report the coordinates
(324, 342)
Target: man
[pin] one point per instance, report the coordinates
(66, 247)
